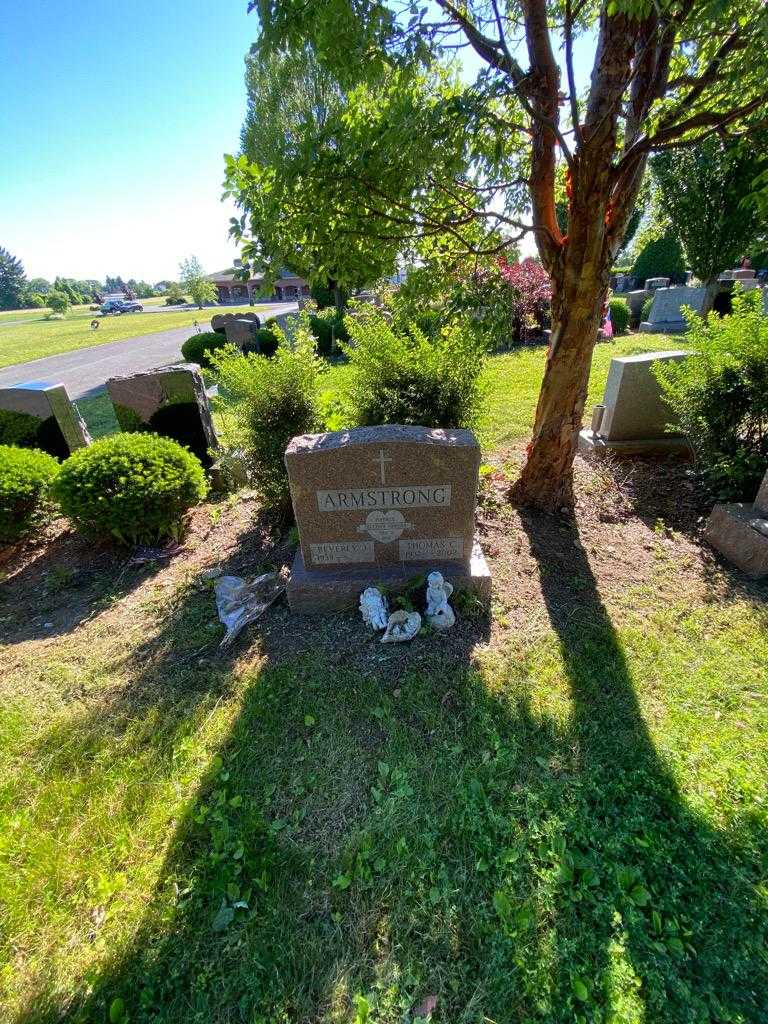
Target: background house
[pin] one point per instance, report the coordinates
(232, 289)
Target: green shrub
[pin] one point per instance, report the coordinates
(58, 302)
(325, 297)
(263, 343)
(720, 395)
(198, 348)
(619, 315)
(326, 325)
(646, 310)
(26, 476)
(266, 402)
(133, 487)
(409, 378)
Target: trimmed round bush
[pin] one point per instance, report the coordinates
(132, 487)
(198, 348)
(619, 315)
(26, 475)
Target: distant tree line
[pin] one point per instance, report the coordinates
(19, 292)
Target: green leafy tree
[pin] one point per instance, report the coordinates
(702, 191)
(12, 280)
(665, 74)
(195, 283)
(299, 214)
(39, 285)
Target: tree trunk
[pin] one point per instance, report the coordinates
(579, 287)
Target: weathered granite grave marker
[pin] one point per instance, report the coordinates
(40, 415)
(740, 532)
(170, 401)
(382, 505)
(633, 417)
(666, 316)
(219, 321)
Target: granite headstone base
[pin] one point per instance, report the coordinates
(322, 591)
(667, 444)
(736, 531)
(40, 415)
(739, 531)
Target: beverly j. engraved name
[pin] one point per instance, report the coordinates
(363, 498)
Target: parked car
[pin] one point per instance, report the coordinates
(121, 306)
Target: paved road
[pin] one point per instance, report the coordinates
(85, 371)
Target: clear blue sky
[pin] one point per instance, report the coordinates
(113, 125)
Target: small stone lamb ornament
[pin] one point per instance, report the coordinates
(439, 613)
(402, 626)
(373, 608)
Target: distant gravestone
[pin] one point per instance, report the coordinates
(382, 505)
(240, 331)
(666, 316)
(739, 531)
(170, 401)
(40, 415)
(634, 417)
(219, 321)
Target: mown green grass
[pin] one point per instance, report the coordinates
(564, 821)
(22, 342)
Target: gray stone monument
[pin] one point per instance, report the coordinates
(739, 531)
(219, 321)
(40, 415)
(382, 505)
(240, 331)
(170, 401)
(666, 316)
(634, 418)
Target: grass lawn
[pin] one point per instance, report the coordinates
(552, 813)
(33, 340)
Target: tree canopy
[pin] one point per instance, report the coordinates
(704, 192)
(336, 184)
(666, 74)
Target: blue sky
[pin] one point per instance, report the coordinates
(113, 124)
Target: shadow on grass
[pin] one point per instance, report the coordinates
(646, 877)
(396, 829)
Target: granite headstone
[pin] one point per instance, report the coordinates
(634, 417)
(40, 415)
(666, 315)
(382, 504)
(170, 401)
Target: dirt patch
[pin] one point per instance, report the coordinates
(636, 524)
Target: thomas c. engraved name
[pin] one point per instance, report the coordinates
(357, 499)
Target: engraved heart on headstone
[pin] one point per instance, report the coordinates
(384, 525)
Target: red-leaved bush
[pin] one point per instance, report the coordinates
(533, 292)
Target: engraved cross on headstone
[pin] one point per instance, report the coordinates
(382, 459)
